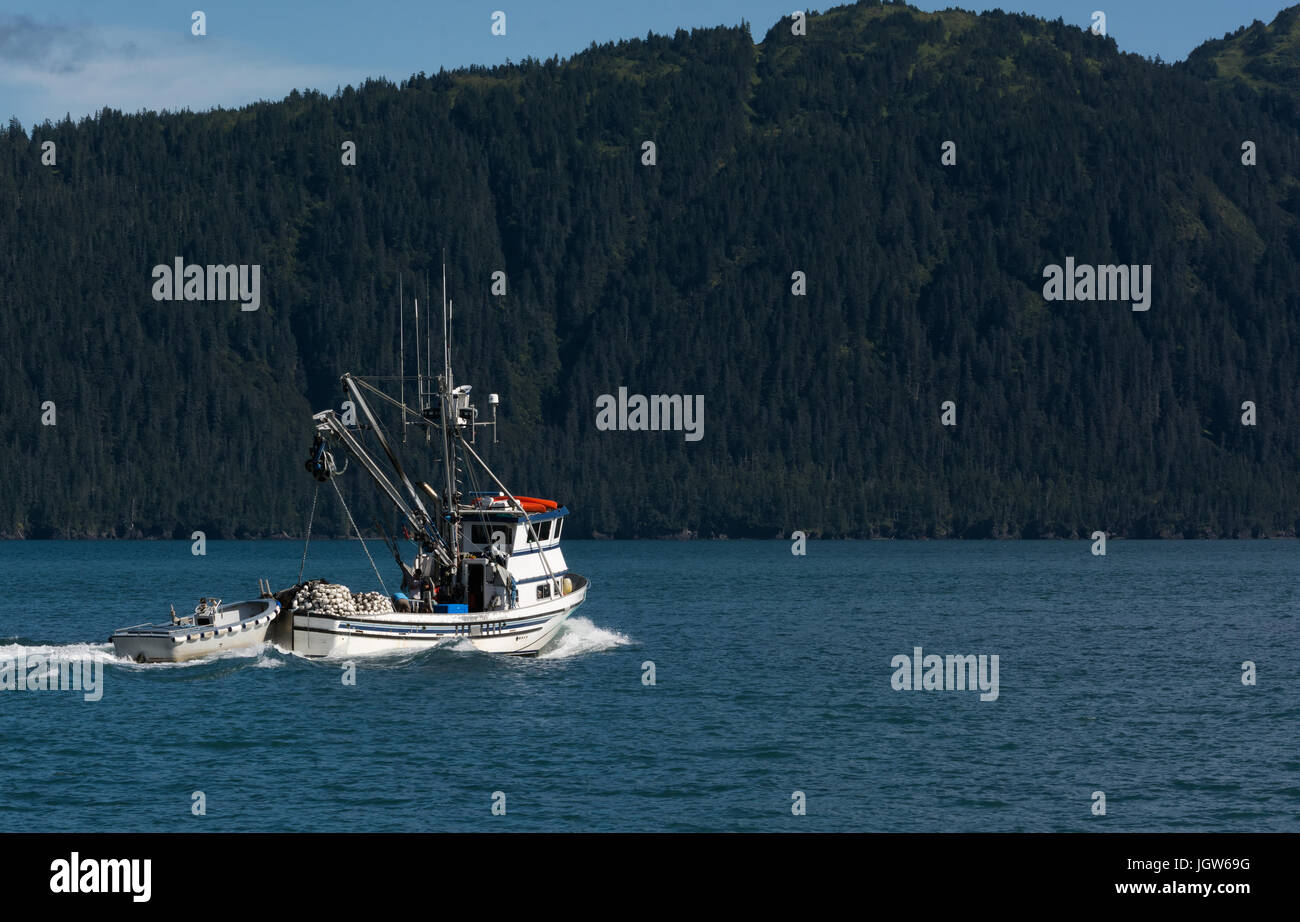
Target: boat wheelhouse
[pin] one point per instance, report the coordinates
(530, 541)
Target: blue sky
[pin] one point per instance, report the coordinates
(76, 56)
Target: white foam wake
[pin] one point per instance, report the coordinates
(104, 653)
(580, 635)
(56, 653)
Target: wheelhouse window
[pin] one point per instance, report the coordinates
(484, 534)
(541, 532)
(544, 591)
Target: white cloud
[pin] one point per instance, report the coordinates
(49, 69)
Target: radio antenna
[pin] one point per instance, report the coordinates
(446, 319)
(428, 336)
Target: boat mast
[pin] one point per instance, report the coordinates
(446, 418)
(419, 380)
(401, 350)
(446, 339)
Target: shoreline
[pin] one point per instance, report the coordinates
(282, 536)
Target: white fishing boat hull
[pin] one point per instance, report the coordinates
(521, 631)
(487, 567)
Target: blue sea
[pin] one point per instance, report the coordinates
(773, 674)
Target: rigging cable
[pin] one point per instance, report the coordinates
(310, 518)
(359, 538)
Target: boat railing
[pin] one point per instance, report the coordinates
(142, 624)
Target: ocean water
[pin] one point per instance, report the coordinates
(773, 675)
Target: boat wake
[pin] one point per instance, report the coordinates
(581, 635)
(264, 655)
(56, 653)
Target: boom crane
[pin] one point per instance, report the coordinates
(331, 429)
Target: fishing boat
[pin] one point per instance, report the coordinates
(486, 564)
(212, 628)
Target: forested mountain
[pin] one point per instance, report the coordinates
(1263, 60)
(816, 153)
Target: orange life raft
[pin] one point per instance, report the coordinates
(531, 504)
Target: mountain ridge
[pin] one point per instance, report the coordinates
(818, 154)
